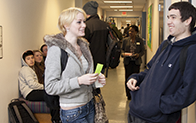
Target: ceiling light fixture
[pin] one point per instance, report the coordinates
(121, 6)
(117, 1)
(125, 10)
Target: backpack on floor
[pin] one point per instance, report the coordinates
(19, 112)
(113, 51)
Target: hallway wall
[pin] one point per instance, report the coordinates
(24, 23)
(155, 28)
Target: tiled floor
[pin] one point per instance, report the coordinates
(113, 92)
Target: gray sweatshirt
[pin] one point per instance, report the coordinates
(66, 84)
(28, 80)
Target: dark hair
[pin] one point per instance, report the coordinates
(135, 28)
(186, 10)
(42, 47)
(27, 53)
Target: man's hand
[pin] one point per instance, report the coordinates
(131, 84)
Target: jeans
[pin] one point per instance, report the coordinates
(83, 114)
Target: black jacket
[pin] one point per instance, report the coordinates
(140, 49)
(97, 34)
(164, 91)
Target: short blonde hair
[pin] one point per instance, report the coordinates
(67, 16)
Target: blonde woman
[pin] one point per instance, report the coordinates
(74, 84)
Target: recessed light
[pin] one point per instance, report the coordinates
(125, 9)
(121, 6)
(117, 1)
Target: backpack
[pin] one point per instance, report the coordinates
(19, 112)
(183, 55)
(52, 101)
(113, 51)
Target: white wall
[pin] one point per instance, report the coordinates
(194, 2)
(167, 3)
(24, 23)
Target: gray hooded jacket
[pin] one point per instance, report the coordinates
(28, 80)
(66, 84)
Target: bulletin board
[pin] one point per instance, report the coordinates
(149, 33)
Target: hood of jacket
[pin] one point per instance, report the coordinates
(23, 63)
(182, 42)
(60, 41)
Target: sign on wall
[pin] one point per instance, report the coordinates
(149, 26)
(1, 43)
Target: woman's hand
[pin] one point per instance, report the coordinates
(136, 55)
(87, 79)
(127, 54)
(101, 79)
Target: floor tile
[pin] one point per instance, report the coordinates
(113, 92)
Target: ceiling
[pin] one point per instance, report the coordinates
(138, 5)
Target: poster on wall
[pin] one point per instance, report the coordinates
(1, 45)
(149, 33)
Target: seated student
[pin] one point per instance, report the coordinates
(39, 70)
(29, 86)
(44, 50)
(39, 65)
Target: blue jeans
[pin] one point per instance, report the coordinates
(83, 114)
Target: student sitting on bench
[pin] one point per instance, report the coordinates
(29, 86)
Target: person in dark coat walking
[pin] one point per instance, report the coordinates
(126, 30)
(96, 33)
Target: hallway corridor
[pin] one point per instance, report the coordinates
(113, 92)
